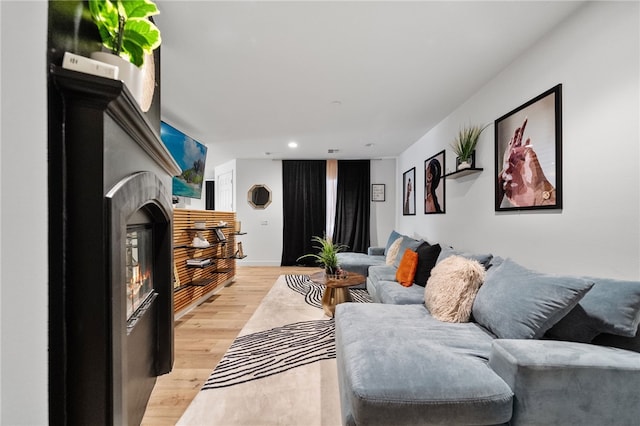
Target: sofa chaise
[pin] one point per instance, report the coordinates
(534, 349)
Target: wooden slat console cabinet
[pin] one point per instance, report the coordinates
(192, 285)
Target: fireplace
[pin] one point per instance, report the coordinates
(110, 253)
(138, 270)
(141, 279)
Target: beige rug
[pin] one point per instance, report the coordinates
(281, 370)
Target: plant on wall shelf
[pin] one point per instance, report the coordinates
(466, 141)
(327, 254)
(125, 28)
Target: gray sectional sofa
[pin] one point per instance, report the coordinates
(539, 349)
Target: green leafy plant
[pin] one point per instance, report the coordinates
(327, 254)
(466, 141)
(125, 29)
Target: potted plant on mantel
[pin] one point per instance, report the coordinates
(327, 255)
(465, 145)
(129, 36)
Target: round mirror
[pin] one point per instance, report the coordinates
(259, 196)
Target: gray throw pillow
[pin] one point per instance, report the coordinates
(517, 303)
(392, 237)
(611, 306)
(407, 243)
(483, 259)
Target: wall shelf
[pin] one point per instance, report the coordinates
(464, 172)
(194, 283)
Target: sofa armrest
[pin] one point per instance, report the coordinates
(558, 382)
(375, 251)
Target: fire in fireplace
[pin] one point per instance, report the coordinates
(139, 267)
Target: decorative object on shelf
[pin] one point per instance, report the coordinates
(200, 224)
(434, 184)
(239, 251)
(259, 196)
(469, 163)
(377, 192)
(79, 63)
(220, 235)
(238, 227)
(199, 262)
(131, 39)
(327, 255)
(200, 241)
(408, 192)
(176, 276)
(530, 167)
(465, 144)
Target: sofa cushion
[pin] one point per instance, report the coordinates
(392, 253)
(427, 257)
(611, 306)
(407, 269)
(483, 258)
(358, 262)
(407, 243)
(398, 365)
(517, 303)
(452, 288)
(393, 293)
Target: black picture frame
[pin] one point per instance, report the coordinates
(528, 155)
(377, 192)
(409, 192)
(434, 184)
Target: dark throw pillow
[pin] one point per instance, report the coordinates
(611, 306)
(427, 257)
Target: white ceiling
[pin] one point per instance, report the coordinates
(246, 78)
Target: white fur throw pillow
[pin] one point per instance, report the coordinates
(392, 252)
(452, 288)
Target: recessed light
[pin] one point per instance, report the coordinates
(369, 145)
(293, 144)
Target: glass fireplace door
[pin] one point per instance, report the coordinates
(139, 267)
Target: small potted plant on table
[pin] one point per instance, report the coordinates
(327, 255)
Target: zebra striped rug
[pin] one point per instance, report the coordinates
(281, 368)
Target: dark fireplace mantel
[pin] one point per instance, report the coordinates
(99, 140)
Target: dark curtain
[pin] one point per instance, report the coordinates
(352, 205)
(304, 185)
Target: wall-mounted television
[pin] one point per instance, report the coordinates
(190, 155)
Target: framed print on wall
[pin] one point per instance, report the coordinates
(528, 160)
(408, 192)
(434, 184)
(377, 192)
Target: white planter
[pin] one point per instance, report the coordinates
(130, 74)
(464, 165)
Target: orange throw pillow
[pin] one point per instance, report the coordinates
(407, 268)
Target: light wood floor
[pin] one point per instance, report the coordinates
(203, 336)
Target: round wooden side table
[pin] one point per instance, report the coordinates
(336, 290)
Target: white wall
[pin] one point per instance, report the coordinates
(383, 214)
(595, 55)
(23, 214)
(263, 242)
